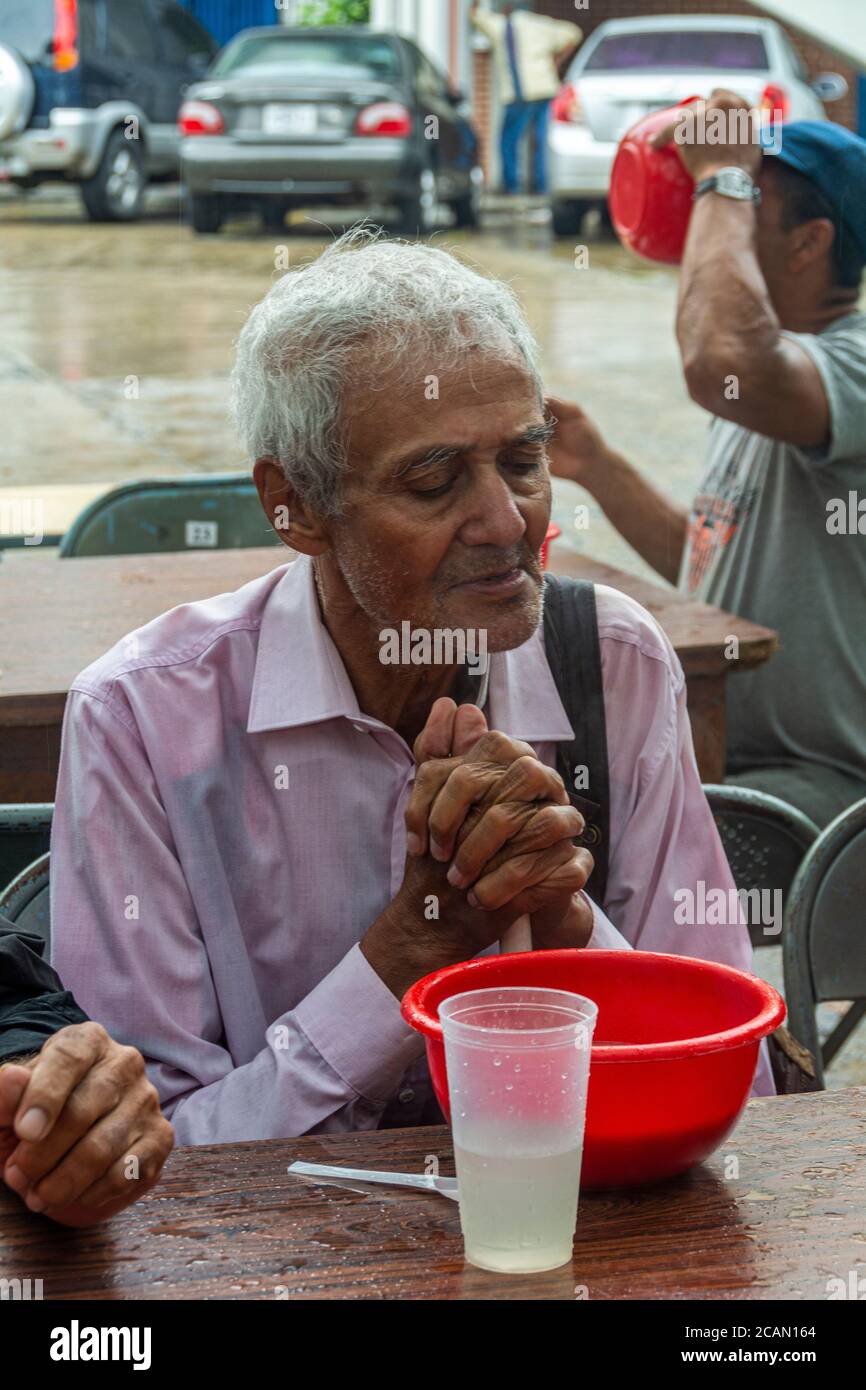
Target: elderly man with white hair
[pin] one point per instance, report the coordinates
(264, 831)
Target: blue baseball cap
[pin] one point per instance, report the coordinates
(834, 160)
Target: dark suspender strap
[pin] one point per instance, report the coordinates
(574, 658)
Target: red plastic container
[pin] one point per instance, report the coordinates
(673, 1059)
(651, 192)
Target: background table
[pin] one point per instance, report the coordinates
(59, 615)
(229, 1222)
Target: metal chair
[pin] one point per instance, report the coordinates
(26, 901)
(219, 511)
(25, 832)
(824, 942)
(765, 841)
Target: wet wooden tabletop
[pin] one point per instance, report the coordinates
(699, 633)
(778, 1212)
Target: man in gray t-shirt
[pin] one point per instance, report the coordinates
(774, 347)
(772, 537)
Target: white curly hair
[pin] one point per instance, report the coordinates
(367, 308)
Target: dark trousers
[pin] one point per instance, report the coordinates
(519, 117)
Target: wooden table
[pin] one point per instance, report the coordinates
(59, 615)
(228, 1222)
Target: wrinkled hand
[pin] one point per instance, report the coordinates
(73, 1119)
(507, 821)
(740, 147)
(577, 450)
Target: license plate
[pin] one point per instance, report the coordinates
(281, 119)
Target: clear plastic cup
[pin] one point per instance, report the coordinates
(518, 1071)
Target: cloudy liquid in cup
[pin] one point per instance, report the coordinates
(518, 1207)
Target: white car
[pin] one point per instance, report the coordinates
(630, 67)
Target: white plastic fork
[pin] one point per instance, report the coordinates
(428, 1182)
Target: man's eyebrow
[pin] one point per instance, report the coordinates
(441, 453)
(539, 434)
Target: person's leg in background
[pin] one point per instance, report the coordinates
(540, 117)
(517, 117)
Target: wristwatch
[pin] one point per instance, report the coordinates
(731, 183)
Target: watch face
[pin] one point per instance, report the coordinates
(736, 183)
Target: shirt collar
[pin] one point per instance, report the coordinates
(300, 678)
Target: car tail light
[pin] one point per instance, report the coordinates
(384, 118)
(65, 35)
(567, 105)
(775, 104)
(200, 118)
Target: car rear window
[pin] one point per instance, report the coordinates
(368, 57)
(724, 50)
(28, 25)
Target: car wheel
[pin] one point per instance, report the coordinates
(115, 193)
(467, 210)
(205, 213)
(418, 213)
(273, 217)
(568, 215)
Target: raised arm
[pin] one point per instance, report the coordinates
(738, 362)
(482, 20)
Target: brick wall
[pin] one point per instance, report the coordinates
(482, 77)
(816, 58)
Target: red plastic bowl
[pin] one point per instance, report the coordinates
(651, 192)
(673, 1058)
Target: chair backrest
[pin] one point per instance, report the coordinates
(26, 901)
(824, 945)
(765, 841)
(25, 833)
(219, 511)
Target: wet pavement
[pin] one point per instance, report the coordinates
(117, 343)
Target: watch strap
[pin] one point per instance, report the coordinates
(715, 183)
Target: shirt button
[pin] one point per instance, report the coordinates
(406, 1095)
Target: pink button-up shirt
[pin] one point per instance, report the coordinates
(229, 823)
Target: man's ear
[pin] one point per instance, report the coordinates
(297, 527)
(811, 242)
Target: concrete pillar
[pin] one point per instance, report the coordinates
(439, 27)
(442, 30)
